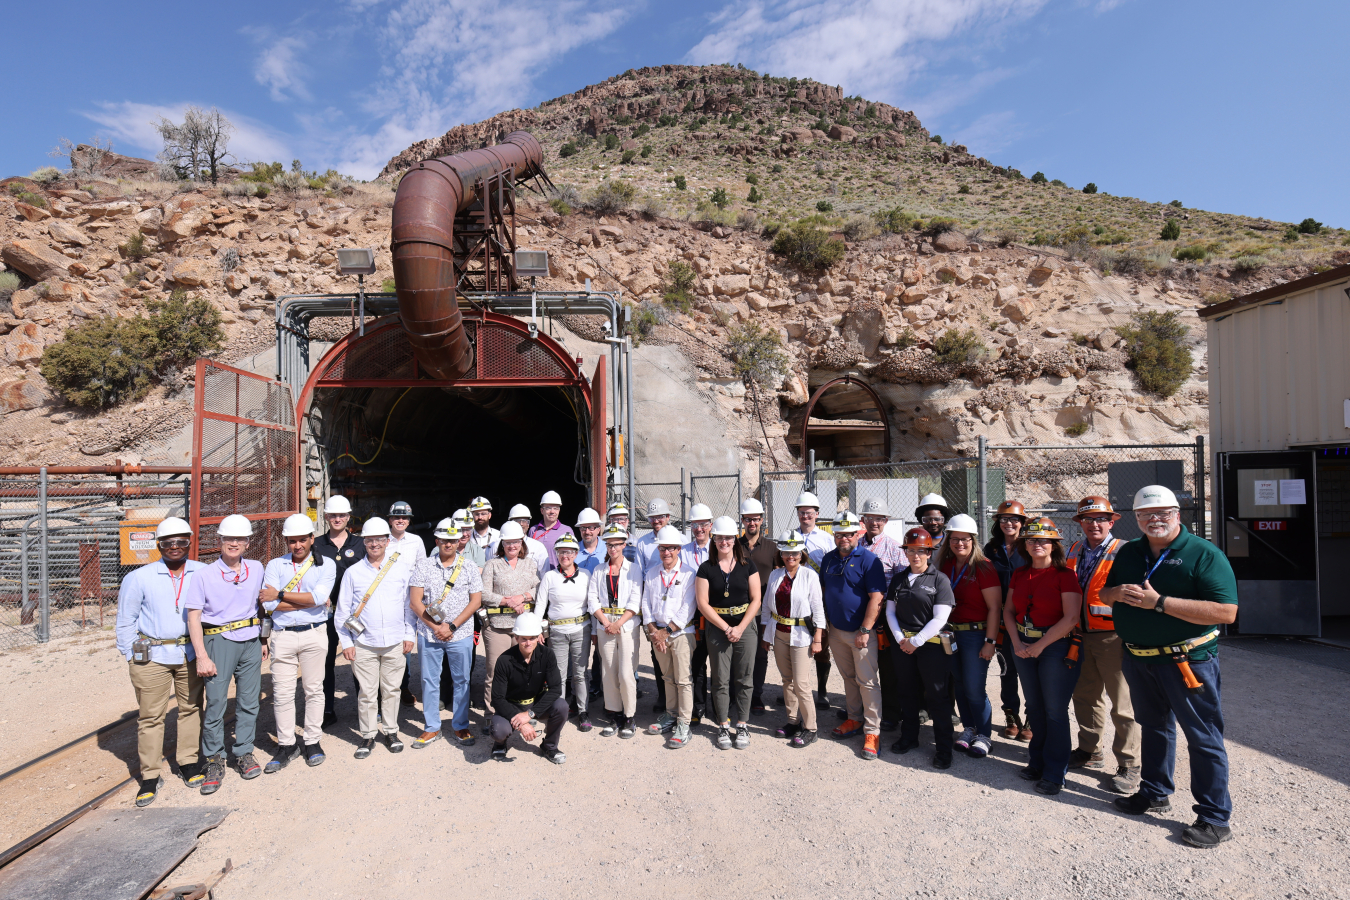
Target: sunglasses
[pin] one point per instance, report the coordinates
(1096, 520)
(1155, 517)
(175, 544)
(1039, 542)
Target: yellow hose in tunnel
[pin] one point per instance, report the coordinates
(387, 417)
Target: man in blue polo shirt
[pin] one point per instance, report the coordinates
(853, 583)
(1168, 591)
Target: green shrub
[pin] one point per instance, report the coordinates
(1090, 188)
(643, 321)
(611, 141)
(870, 112)
(906, 339)
(860, 228)
(1290, 235)
(1307, 226)
(939, 224)
(1099, 230)
(720, 199)
(641, 130)
(752, 178)
(680, 183)
(956, 347)
(1058, 183)
(135, 247)
(1194, 252)
(1039, 178)
(560, 206)
(935, 139)
(1175, 203)
(666, 121)
(824, 206)
(963, 189)
(777, 168)
(808, 247)
(1077, 429)
(567, 149)
(1171, 230)
(757, 355)
(754, 196)
(678, 289)
(23, 195)
(1156, 349)
(1249, 264)
(108, 359)
(9, 283)
(51, 174)
(612, 195)
(388, 286)
(628, 156)
(894, 221)
(646, 150)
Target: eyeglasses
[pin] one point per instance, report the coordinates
(175, 544)
(924, 551)
(374, 540)
(959, 538)
(1096, 520)
(1039, 542)
(1004, 520)
(933, 520)
(724, 539)
(1155, 517)
(665, 550)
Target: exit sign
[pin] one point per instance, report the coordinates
(1272, 525)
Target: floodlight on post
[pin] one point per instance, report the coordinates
(532, 263)
(358, 261)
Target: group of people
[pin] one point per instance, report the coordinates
(912, 625)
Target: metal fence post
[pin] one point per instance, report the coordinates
(811, 471)
(44, 593)
(682, 497)
(1200, 524)
(982, 492)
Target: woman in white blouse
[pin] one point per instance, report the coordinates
(668, 613)
(562, 601)
(614, 600)
(793, 628)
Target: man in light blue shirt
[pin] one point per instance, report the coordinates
(152, 636)
(592, 551)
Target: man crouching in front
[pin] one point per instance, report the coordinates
(527, 679)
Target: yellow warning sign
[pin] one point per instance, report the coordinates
(138, 544)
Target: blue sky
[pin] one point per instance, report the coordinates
(1234, 106)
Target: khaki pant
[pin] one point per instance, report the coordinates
(303, 651)
(155, 685)
(378, 670)
(862, 689)
(797, 668)
(496, 641)
(676, 670)
(618, 668)
(1101, 675)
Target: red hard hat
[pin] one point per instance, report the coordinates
(918, 539)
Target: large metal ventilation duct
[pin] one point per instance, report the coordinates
(429, 197)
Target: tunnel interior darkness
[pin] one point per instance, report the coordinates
(437, 448)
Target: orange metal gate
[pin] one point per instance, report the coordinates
(244, 452)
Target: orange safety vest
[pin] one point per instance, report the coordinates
(1096, 615)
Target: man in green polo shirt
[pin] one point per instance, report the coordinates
(1168, 591)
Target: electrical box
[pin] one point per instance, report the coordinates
(531, 263)
(780, 504)
(961, 490)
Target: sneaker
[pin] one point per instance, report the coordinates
(1081, 759)
(627, 730)
(584, 724)
(848, 729)
(803, 738)
(363, 749)
(979, 748)
(465, 738)
(1125, 781)
(609, 729)
(283, 758)
(555, 756)
(662, 725)
(788, 729)
(697, 717)
(193, 774)
(1206, 835)
(1029, 774)
(903, 746)
(425, 738)
(679, 736)
(248, 767)
(391, 739)
(871, 745)
(723, 738)
(1137, 804)
(1049, 788)
(215, 771)
(314, 755)
(942, 760)
(146, 793)
(742, 737)
(499, 752)
(963, 742)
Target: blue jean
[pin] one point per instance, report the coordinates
(1160, 702)
(969, 674)
(1048, 684)
(458, 655)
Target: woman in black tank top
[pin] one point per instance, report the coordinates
(727, 590)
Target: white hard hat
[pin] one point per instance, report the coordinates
(846, 523)
(511, 531)
(726, 526)
(616, 509)
(528, 624)
(791, 541)
(658, 507)
(699, 512)
(588, 516)
(298, 525)
(876, 506)
(519, 511)
(933, 501)
(964, 524)
(447, 530)
(1155, 496)
(235, 526)
(375, 527)
(478, 503)
(806, 498)
(550, 497)
(463, 519)
(670, 535)
(566, 542)
(615, 532)
(751, 507)
(337, 505)
(172, 525)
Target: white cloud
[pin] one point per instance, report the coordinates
(132, 128)
(280, 70)
(872, 47)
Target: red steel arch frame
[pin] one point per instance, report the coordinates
(852, 381)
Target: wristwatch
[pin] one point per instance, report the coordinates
(990, 640)
(281, 596)
(1158, 607)
(670, 627)
(862, 630)
(453, 627)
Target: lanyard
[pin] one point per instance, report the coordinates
(1163, 556)
(957, 581)
(225, 573)
(1088, 559)
(613, 585)
(666, 585)
(178, 591)
(450, 582)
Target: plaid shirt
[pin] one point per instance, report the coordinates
(889, 551)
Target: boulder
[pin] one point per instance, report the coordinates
(64, 233)
(300, 251)
(799, 136)
(640, 282)
(950, 242)
(192, 272)
(233, 230)
(1044, 269)
(1005, 295)
(919, 314)
(842, 133)
(109, 209)
(913, 295)
(25, 393)
(61, 292)
(148, 220)
(21, 346)
(1019, 310)
(732, 285)
(35, 259)
(31, 213)
(183, 217)
(236, 281)
(863, 325)
(21, 301)
(613, 231)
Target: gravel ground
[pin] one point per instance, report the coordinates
(625, 816)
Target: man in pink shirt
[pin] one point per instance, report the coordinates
(550, 529)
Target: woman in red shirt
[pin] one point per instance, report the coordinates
(974, 622)
(1044, 601)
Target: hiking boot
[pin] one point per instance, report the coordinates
(1012, 724)
(924, 718)
(1024, 733)
(848, 729)
(697, 717)
(465, 737)
(282, 759)
(964, 739)
(822, 700)
(1049, 788)
(942, 760)
(609, 729)
(215, 771)
(146, 793)
(679, 736)
(313, 755)
(663, 724)
(627, 729)
(391, 739)
(1125, 781)
(757, 707)
(723, 738)
(584, 724)
(329, 718)
(803, 738)
(193, 774)
(903, 746)
(871, 746)
(742, 737)
(979, 748)
(1205, 835)
(1137, 804)
(554, 755)
(1081, 759)
(425, 738)
(486, 729)
(363, 749)
(248, 767)
(499, 752)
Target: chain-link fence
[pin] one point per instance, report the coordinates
(720, 493)
(646, 491)
(67, 541)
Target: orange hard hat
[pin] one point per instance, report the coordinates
(1010, 508)
(918, 539)
(1095, 504)
(1041, 528)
